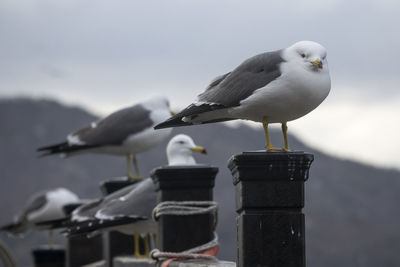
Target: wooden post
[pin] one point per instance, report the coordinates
(48, 257)
(269, 201)
(184, 183)
(82, 250)
(116, 243)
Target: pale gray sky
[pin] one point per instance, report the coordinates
(108, 54)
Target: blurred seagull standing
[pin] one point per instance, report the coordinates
(129, 210)
(273, 87)
(126, 132)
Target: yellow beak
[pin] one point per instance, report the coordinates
(317, 63)
(199, 149)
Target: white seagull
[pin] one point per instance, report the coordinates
(273, 87)
(42, 207)
(129, 210)
(126, 132)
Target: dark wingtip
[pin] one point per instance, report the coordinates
(174, 121)
(159, 126)
(165, 124)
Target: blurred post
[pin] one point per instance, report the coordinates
(116, 243)
(269, 201)
(49, 257)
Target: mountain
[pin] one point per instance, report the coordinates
(352, 213)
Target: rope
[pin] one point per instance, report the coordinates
(6, 256)
(188, 254)
(185, 208)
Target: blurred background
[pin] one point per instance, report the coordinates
(63, 64)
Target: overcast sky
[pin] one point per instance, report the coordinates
(105, 55)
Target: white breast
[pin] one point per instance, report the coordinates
(292, 95)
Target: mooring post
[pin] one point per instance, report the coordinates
(81, 250)
(46, 256)
(184, 183)
(116, 243)
(269, 201)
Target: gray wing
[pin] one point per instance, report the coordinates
(128, 208)
(21, 224)
(139, 202)
(229, 89)
(113, 129)
(88, 211)
(254, 73)
(37, 202)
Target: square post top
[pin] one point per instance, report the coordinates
(270, 166)
(184, 177)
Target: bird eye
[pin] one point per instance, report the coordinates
(303, 55)
(181, 142)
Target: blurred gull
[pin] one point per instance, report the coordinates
(126, 132)
(42, 207)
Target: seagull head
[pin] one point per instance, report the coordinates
(310, 54)
(157, 102)
(180, 150)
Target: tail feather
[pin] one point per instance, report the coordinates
(53, 224)
(54, 149)
(191, 112)
(94, 225)
(63, 147)
(15, 228)
(174, 121)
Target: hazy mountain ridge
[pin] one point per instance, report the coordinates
(351, 208)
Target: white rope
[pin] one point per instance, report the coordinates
(188, 254)
(185, 208)
(6, 256)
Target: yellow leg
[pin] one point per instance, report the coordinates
(137, 246)
(135, 164)
(155, 240)
(51, 239)
(285, 139)
(147, 245)
(269, 145)
(128, 167)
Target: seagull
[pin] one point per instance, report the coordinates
(126, 132)
(41, 207)
(129, 210)
(180, 150)
(273, 87)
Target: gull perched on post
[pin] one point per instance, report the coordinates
(126, 132)
(129, 210)
(273, 87)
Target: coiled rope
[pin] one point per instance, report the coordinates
(186, 208)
